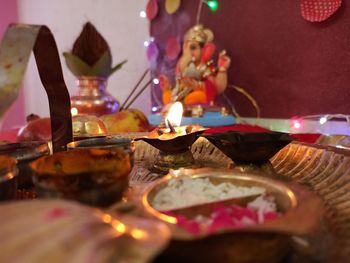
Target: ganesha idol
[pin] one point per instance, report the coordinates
(198, 80)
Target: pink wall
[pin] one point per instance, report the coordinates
(15, 115)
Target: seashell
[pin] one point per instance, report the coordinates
(53, 231)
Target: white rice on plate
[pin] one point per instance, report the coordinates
(187, 191)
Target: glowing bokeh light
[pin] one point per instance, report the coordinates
(74, 111)
(296, 124)
(323, 120)
(213, 5)
(143, 14)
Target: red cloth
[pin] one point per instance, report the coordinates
(306, 137)
(11, 135)
(210, 90)
(301, 137)
(236, 127)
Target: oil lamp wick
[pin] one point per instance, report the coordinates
(171, 127)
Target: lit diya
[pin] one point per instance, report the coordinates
(174, 141)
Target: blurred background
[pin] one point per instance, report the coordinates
(119, 23)
(297, 71)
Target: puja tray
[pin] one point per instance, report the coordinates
(324, 170)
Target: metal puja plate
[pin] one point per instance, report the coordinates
(324, 170)
(204, 153)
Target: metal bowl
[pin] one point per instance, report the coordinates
(249, 147)
(266, 242)
(8, 177)
(87, 126)
(96, 177)
(24, 153)
(108, 143)
(340, 141)
(103, 143)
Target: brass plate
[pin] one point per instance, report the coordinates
(325, 170)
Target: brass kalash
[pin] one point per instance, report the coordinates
(173, 142)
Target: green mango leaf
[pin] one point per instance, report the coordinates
(118, 66)
(76, 65)
(103, 66)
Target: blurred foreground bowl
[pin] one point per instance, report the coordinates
(25, 153)
(8, 177)
(108, 143)
(95, 177)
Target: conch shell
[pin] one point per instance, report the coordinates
(53, 231)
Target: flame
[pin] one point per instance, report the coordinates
(174, 115)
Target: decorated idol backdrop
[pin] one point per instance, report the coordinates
(291, 57)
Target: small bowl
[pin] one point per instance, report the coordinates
(87, 126)
(95, 177)
(125, 144)
(249, 147)
(109, 143)
(265, 242)
(8, 178)
(24, 153)
(339, 141)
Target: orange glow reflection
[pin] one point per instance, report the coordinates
(138, 234)
(107, 218)
(118, 226)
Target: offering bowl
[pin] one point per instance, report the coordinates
(108, 143)
(87, 126)
(96, 177)
(263, 242)
(24, 153)
(8, 177)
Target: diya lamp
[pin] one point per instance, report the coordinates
(251, 151)
(173, 141)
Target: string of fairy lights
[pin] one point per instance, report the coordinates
(298, 122)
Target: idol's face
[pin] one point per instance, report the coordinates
(195, 50)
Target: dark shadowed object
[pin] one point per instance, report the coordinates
(95, 177)
(8, 177)
(249, 147)
(24, 153)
